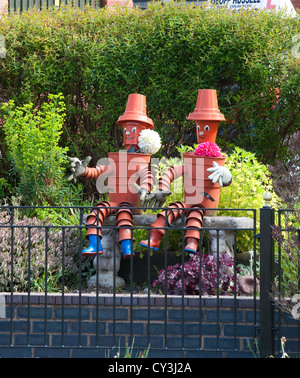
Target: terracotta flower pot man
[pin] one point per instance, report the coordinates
(124, 170)
(203, 173)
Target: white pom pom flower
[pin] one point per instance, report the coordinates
(149, 141)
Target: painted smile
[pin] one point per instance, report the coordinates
(130, 138)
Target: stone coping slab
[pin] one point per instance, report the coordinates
(214, 222)
(155, 300)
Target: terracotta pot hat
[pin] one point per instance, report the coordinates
(207, 107)
(136, 111)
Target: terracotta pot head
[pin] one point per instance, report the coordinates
(134, 120)
(206, 115)
(131, 132)
(206, 131)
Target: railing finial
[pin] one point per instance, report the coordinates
(268, 199)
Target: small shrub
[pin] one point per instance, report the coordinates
(29, 234)
(203, 275)
(250, 181)
(288, 257)
(285, 173)
(32, 136)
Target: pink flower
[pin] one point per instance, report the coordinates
(208, 149)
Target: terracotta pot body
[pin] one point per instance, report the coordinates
(124, 174)
(198, 188)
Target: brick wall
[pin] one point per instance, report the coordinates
(79, 330)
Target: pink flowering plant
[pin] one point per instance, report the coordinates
(205, 276)
(208, 149)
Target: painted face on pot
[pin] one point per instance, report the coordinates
(206, 131)
(131, 134)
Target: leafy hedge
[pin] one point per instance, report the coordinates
(96, 58)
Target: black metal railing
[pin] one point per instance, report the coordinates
(42, 259)
(25, 5)
(286, 275)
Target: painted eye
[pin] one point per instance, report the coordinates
(125, 130)
(134, 129)
(206, 128)
(198, 127)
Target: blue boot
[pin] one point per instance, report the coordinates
(126, 248)
(91, 250)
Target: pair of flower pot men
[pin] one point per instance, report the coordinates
(132, 180)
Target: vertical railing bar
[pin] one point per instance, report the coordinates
(166, 281)
(46, 285)
(277, 342)
(80, 278)
(266, 280)
(149, 288)
(298, 276)
(63, 289)
(131, 291)
(11, 276)
(234, 290)
(200, 289)
(255, 274)
(218, 293)
(182, 288)
(114, 289)
(29, 284)
(97, 279)
(298, 232)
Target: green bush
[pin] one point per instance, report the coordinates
(250, 182)
(38, 161)
(32, 137)
(167, 52)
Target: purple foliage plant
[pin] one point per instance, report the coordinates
(203, 275)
